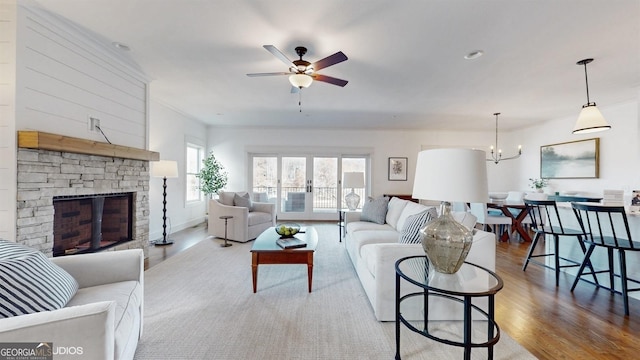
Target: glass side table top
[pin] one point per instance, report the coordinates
(470, 280)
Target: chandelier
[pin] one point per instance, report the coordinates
(496, 153)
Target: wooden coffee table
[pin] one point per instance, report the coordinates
(266, 251)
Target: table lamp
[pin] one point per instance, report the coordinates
(164, 169)
(352, 180)
(449, 175)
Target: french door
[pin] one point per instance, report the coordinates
(305, 187)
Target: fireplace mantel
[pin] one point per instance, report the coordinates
(53, 142)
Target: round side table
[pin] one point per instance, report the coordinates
(226, 219)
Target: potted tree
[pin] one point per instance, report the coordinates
(212, 176)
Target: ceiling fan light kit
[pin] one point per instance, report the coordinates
(300, 80)
(590, 119)
(301, 72)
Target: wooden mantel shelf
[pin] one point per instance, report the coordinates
(53, 142)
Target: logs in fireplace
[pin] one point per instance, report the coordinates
(91, 223)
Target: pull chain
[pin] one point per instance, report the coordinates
(300, 99)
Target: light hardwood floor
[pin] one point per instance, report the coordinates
(551, 322)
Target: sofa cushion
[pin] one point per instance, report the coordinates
(243, 201)
(257, 217)
(410, 233)
(396, 205)
(32, 283)
(364, 237)
(375, 210)
(410, 209)
(365, 225)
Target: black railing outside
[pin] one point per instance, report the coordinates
(324, 198)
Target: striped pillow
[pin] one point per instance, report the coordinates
(410, 233)
(30, 282)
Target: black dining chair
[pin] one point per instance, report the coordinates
(545, 220)
(607, 227)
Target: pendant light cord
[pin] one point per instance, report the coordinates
(586, 80)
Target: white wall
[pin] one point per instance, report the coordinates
(8, 14)
(169, 132)
(619, 151)
(231, 145)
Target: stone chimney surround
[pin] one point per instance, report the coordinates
(54, 165)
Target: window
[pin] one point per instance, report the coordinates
(195, 154)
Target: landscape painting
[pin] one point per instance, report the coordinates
(570, 160)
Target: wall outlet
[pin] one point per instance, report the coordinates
(93, 123)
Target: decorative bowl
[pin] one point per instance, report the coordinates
(287, 230)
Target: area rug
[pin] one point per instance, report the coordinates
(199, 304)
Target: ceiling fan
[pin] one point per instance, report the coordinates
(301, 72)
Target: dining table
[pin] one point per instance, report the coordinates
(517, 217)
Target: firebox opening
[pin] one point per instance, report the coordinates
(84, 224)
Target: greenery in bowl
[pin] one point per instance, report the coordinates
(538, 183)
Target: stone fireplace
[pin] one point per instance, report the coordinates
(48, 178)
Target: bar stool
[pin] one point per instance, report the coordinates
(545, 220)
(608, 228)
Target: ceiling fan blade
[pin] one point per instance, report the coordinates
(329, 60)
(277, 53)
(330, 80)
(268, 74)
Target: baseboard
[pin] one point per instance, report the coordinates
(175, 228)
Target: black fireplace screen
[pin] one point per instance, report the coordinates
(91, 223)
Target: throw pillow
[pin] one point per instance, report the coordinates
(32, 283)
(226, 197)
(410, 233)
(396, 205)
(11, 250)
(243, 201)
(375, 210)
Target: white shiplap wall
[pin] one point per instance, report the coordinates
(65, 76)
(53, 76)
(7, 119)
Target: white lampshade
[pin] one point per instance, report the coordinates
(353, 180)
(164, 169)
(590, 120)
(453, 175)
(300, 80)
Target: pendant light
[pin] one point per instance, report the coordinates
(590, 119)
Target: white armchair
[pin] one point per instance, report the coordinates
(245, 225)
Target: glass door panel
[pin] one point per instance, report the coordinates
(265, 178)
(325, 185)
(294, 185)
(355, 164)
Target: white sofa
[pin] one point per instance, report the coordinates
(103, 320)
(374, 250)
(247, 222)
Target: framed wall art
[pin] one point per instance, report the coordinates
(398, 169)
(570, 160)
